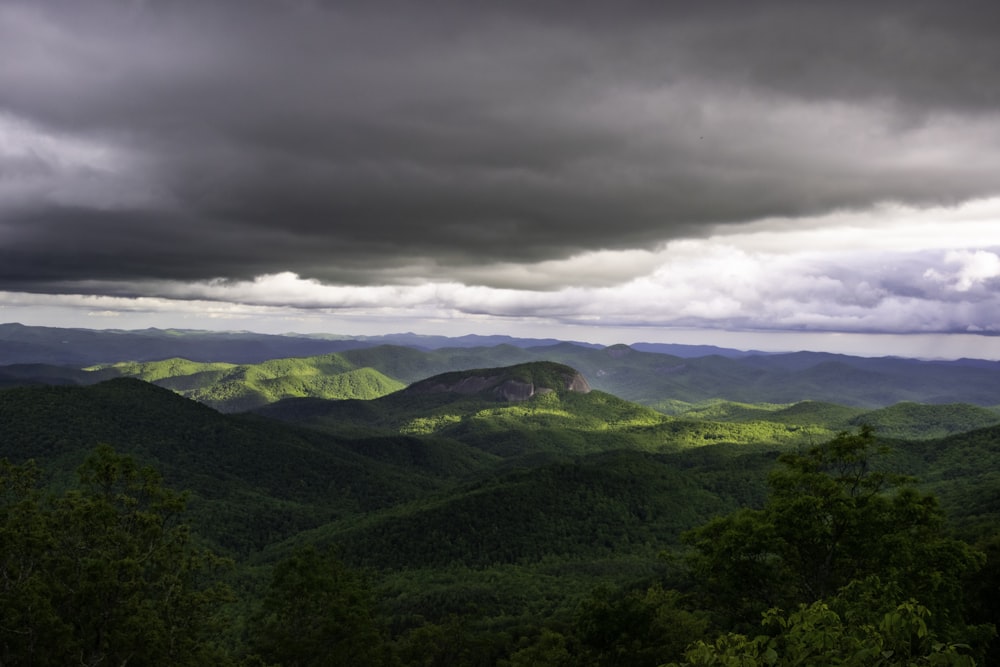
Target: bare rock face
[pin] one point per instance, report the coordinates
(513, 391)
(579, 384)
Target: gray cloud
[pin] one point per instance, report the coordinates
(705, 287)
(192, 140)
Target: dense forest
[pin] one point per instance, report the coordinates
(454, 526)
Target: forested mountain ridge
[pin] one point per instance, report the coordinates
(563, 422)
(241, 387)
(20, 344)
(242, 370)
(254, 480)
(482, 520)
(419, 437)
(512, 383)
(86, 347)
(504, 518)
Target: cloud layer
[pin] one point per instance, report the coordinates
(825, 276)
(190, 140)
(767, 165)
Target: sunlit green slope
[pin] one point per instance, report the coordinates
(803, 413)
(919, 421)
(553, 421)
(237, 388)
(915, 421)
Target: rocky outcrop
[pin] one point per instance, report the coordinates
(579, 384)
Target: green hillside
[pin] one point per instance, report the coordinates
(555, 423)
(254, 481)
(153, 371)
(543, 376)
(910, 421)
(488, 523)
(804, 413)
(831, 415)
(595, 507)
(659, 380)
(695, 386)
(963, 470)
(918, 421)
(673, 384)
(238, 388)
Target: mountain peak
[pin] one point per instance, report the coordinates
(508, 383)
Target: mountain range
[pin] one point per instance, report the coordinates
(488, 485)
(225, 370)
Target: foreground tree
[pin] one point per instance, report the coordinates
(836, 528)
(103, 574)
(817, 635)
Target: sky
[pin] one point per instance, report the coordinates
(766, 175)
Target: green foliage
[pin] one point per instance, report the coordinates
(542, 375)
(102, 573)
(316, 612)
(253, 481)
(664, 381)
(730, 411)
(816, 635)
(487, 524)
(916, 421)
(153, 371)
(549, 648)
(982, 594)
(557, 423)
(964, 471)
(830, 520)
(818, 413)
(597, 506)
(237, 388)
(638, 628)
(904, 420)
(707, 388)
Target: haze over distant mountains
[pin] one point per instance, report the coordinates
(235, 371)
(20, 344)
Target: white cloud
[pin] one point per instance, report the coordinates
(966, 271)
(889, 227)
(712, 285)
(975, 268)
(890, 270)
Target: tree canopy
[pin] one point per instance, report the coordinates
(837, 530)
(102, 573)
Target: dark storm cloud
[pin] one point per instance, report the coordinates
(191, 140)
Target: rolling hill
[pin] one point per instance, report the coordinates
(495, 496)
(238, 388)
(672, 379)
(253, 480)
(560, 416)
